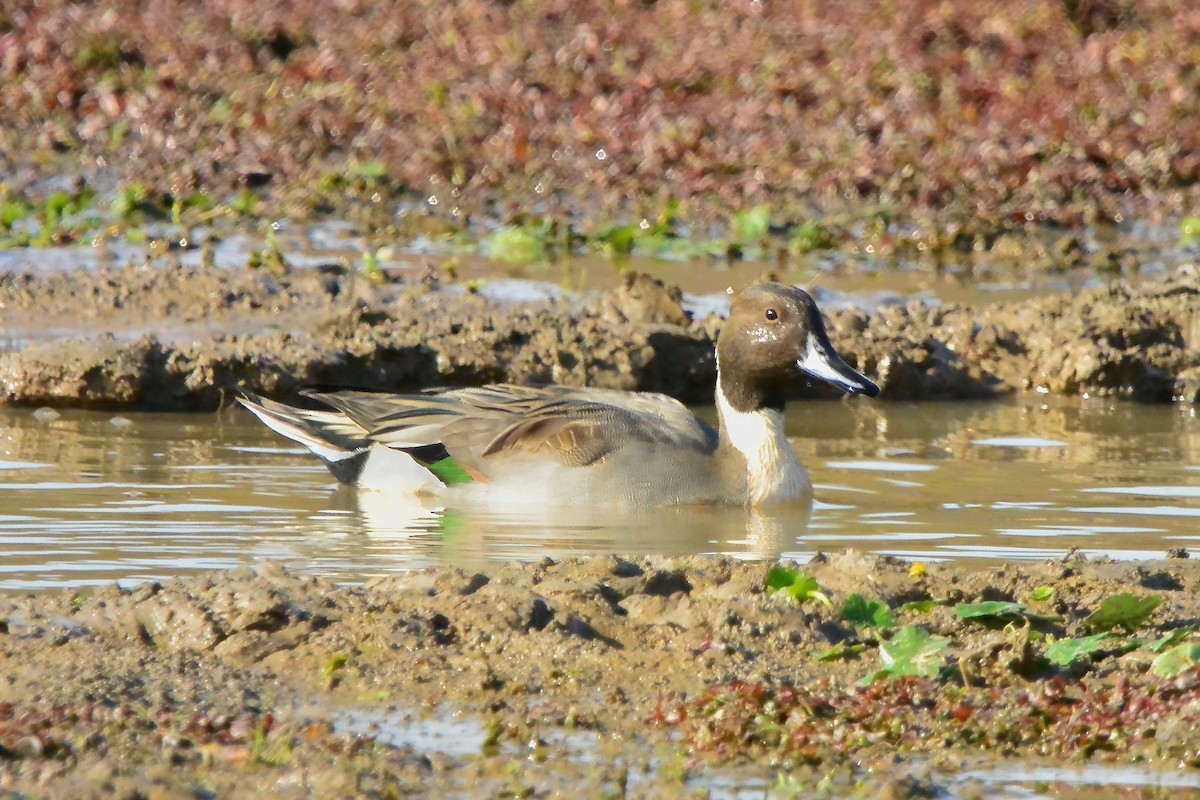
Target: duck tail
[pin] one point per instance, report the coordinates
(340, 444)
(348, 450)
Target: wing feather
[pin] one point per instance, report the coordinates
(482, 427)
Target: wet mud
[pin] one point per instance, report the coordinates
(187, 337)
(598, 676)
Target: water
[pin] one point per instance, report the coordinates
(87, 501)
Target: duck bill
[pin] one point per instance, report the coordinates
(820, 361)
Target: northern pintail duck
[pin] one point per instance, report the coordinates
(558, 445)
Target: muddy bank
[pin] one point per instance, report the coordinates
(590, 673)
(185, 338)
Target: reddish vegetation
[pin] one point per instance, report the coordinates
(1058, 718)
(957, 116)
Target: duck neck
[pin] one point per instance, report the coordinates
(752, 425)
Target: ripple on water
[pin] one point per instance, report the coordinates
(169, 494)
(881, 466)
(1149, 491)
(7, 465)
(1017, 441)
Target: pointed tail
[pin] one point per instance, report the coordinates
(345, 448)
(331, 436)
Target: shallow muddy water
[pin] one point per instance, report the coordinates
(90, 498)
(846, 277)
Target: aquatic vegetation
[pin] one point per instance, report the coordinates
(12, 211)
(1189, 231)
(918, 606)
(751, 226)
(809, 237)
(245, 203)
(64, 217)
(131, 200)
(519, 244)
(1170, 640)
(924, 688)
(370, 172)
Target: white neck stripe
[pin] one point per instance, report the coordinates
(773, 472)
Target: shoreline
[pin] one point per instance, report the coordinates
(250, 677)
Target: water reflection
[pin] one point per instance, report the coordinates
(84, 501)
(469, 538)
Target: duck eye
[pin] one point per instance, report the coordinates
(772, 314)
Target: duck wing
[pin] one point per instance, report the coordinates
(483, 427)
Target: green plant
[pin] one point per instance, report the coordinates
(1189, 231)
(519, 244)
(863, 613)
(1065, 651)
(245, 203)
(786, 583)
(1041, 594)
(912, 651)
(1179, 658)
(752, 225)
(1124, 611)
(991, 612)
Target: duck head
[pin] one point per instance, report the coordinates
(774, 335)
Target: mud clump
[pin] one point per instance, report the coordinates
(185, 338)
(252, 678)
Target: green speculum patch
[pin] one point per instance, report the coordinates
(450, 472)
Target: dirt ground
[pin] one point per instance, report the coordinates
(588, 678)
(185, 338)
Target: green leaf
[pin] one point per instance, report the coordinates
(841, 652)
(1041, 594)
(1124, 611)
(781, 577)
(1170, 640)
(864, 613)
(1064, 651)
(919, 606)
(878, 674)
(791, 584)
(913, 651)
(990, 612)
(1176, 660)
